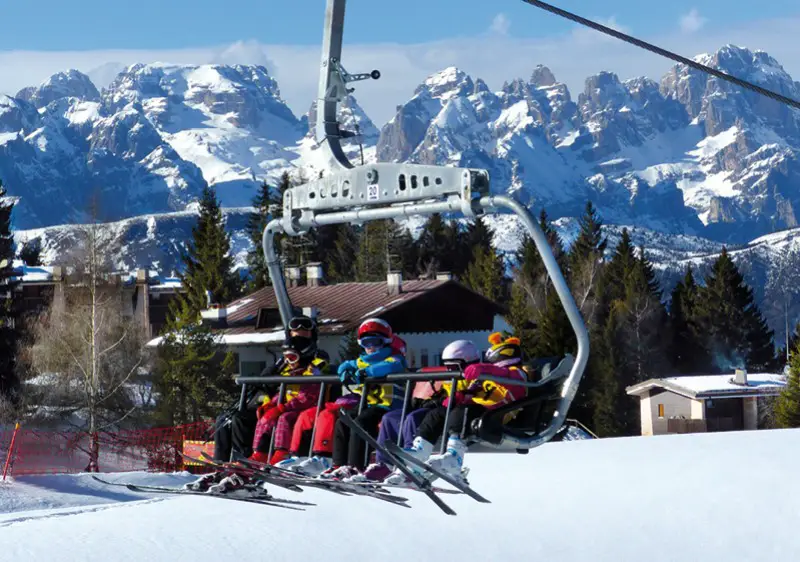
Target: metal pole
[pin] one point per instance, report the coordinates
(403, 413)
(447, 414)
(328, 95)
(272, 433)
(320, 401)
(243, 398)
(274, 227)
(361, 405)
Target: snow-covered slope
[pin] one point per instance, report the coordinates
(723, 496)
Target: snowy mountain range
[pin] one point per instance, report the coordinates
(690, 155)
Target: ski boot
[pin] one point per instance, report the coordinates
(202, 484)
(452, 460)
(313, 466)
(230, 483)
(376, 472)
(420, 449)
(340, 473)
(291, 463)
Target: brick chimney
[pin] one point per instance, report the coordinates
(293, 276)
(314, 275)
(740, 377)
(395, 283)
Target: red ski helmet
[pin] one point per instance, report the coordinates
(376, 330)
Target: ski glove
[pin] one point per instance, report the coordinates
(273, 413)
(352, 377)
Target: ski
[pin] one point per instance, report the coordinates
(237, 468)
(398, 452)
(345, 488)
(381, 486)
(266, 498)
(423, 484)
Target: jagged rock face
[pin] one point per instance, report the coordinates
(70, 84)
(687, 154)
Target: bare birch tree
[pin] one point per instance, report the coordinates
(86, 348)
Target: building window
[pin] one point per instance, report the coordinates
(438, 358)
(251, 368)
(661, 410)
(423, 357)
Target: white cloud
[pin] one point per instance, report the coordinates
(572, 57)
(692, 22)
(500, 25)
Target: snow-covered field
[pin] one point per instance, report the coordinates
(723, 496)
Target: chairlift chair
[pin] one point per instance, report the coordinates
(357, 194)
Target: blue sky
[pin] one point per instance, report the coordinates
(171, 24)
(408, 40)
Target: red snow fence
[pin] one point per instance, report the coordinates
(48, 451)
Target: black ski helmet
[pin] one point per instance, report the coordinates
(301, 338)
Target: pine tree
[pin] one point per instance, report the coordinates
(586, 267)
(349, 348)
(435, 245)
(208, 263)
(787, 406)
(339, 262)
(265, 203)
(736, 332)
(621, 265)
(9, 306)
(686, 348)
(485, 275)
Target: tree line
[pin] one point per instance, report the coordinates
(708, 324)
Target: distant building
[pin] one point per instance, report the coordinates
(705, 403)
(427, 314)
(147, 295)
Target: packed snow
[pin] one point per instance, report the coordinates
(676, 497)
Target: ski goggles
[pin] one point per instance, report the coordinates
(291, 355)
(454, 365)
(301, 323)
(372, 341)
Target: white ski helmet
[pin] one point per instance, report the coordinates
(463, 352)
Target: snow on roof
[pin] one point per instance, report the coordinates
(237, 339)
(706, 386)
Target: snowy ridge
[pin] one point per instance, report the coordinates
(153, 242)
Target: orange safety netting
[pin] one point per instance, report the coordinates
(51, 452)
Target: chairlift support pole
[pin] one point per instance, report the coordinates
(360, 194)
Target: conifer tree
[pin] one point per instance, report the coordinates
(9, 309)
(586, 266)
(686, 349)
(787, 405)
(736, 332)
(485, 274)
(340, 261)
(435, 247)
(208, 263)
(265, 203)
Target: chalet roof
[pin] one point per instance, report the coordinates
(713, 386)
(341, 307)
